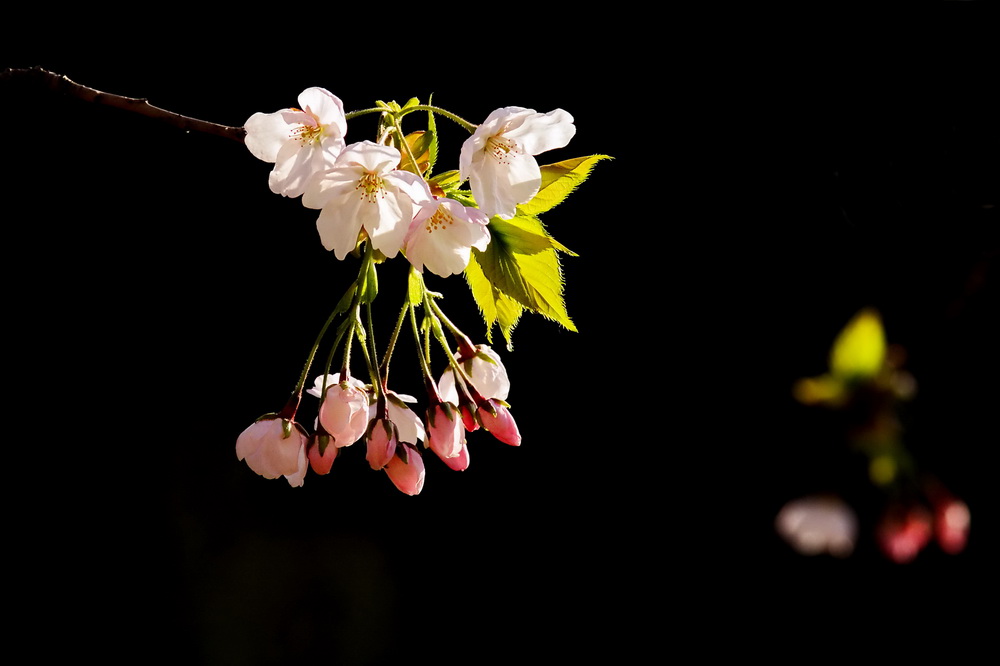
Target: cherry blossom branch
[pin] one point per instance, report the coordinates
(64, 85)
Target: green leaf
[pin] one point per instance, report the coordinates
(447, 180)
(518, 271)
(496, 308)
(432, 129)
(859, 350)
(558, 181)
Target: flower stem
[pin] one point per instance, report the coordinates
(465, 346)
(432, 389)
(438, 110)
(361, 112)
(392, 341)
(297, 392)
(371, 353)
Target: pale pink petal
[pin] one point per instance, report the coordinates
(370, 156)
(488, 375)
(408, 425)
(339, 224)
(326, 108)
(266, 134)
(296, 479)
(540, 132)
(295, 165)
(344, 414)
(442, 235)
(268, 452)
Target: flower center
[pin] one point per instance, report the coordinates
(307, 134)
(371, 186)
(439, 220)
(501, 148)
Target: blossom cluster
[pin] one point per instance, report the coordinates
(362, 191)
(377, 200)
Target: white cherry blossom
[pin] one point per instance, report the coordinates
(298, 141)
(365, 190)
(490, 379)
(442, 235)
(818, 524)
(498, 158)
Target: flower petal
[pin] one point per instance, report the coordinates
(540, 132)
(266, 134)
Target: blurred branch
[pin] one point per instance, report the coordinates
(63, 85)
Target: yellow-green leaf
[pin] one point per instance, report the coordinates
(859, 350)
(558, 180)
(496, 307)
(518, 271)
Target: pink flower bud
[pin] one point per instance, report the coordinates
(951, 525)
(273, 447)
(459, 463)
(902, 537)
(322, 462)
(407, 476)
(502, 425)
(469, 419)
(445, 431)
(381, 443)
(344, 412)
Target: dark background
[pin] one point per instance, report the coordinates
(765, 187)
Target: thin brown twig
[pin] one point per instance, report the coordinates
(62, 84)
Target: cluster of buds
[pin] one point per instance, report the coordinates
(866, 382)
(905, 529)
(351, 411)
(379, 199)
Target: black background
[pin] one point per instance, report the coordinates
(765, 187)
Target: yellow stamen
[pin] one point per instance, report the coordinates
(371, 186)
(439, 220)
(501, 148)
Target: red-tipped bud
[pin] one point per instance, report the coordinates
(445, 431)
(902, 537)
(322, 453)
(951, 525)
(407, 476)
(469, 419)
(381, 443)
(501, 424)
